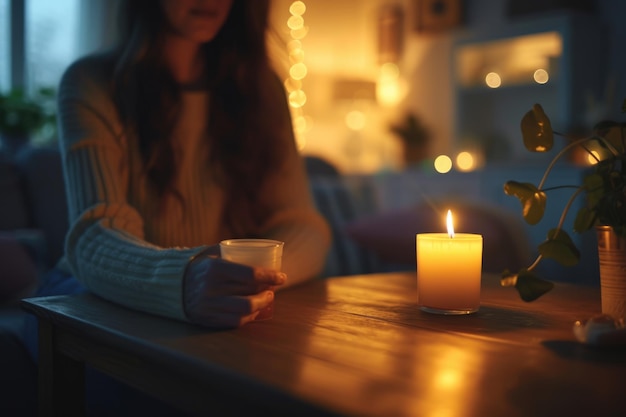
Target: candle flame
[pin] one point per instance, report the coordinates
(449, 224)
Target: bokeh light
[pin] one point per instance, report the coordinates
(493, 80)
(295, 22)
(355, 120)
(292, 85)
(541, 76)
(297, 98)
(297, 8)
(465, 161)
(298, 71)
(594, 158)
(443, 164)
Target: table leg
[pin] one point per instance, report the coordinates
(61, 378)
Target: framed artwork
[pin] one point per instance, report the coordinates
(437, 15)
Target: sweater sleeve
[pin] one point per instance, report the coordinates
(294, 218)
(105, 246)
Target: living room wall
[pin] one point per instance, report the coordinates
(341, 47)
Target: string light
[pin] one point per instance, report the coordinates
(297, 71)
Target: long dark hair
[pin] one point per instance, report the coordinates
(244, 121)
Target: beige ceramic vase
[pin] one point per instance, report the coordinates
(612, 257)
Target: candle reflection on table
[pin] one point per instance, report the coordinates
(449, 268)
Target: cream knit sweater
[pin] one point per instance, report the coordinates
(119, 246)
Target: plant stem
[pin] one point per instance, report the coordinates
(608, 144)
(558, 156)
(561, 221)
(567, 207)
(534, 264)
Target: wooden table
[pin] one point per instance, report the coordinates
(353, 346)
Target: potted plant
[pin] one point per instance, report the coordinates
(23, 115)
(415, 138)
(604, 190)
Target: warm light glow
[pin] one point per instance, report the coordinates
(296, 55)
(387, 92)
(449, 224)
(541, 76)
(300, 124)
(390, 70)
(300, 141)
(448, 379)
(293, 45)
(299, 33)
(443, 164)
(298, 71)
(389, 89)
(355, 120)
(591, 159)
(297, 8)
(451, 383)
(493, 80)
(295, 22)
(292, 85)
(465, 161)
(297, 98)
(516, 58)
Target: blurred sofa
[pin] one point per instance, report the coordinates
(33, 218)
(374, 233)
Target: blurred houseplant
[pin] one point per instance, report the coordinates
(415, 138)
(23, 116)
(604, 190)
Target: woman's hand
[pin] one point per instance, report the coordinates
(223, 294)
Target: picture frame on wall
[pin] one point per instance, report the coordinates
(433, 16)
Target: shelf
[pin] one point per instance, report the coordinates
(515, 61)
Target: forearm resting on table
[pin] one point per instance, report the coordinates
(307, 241)
(124, 269)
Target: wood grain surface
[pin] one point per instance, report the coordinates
(355, 346)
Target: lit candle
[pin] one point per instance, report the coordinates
(449, 268)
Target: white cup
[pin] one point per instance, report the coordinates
(266, 253)
(253, 252)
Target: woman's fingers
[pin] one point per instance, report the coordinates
(242, 305)
(233, 278)
(269, 276)
(232, 311)
(224, 294)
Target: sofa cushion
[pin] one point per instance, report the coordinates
(18, 272)
(43, 177)
(13, 209)
(336, 203)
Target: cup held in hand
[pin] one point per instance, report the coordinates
(265, 253)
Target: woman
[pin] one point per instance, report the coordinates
(178, 138)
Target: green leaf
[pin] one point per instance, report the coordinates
(612, 132)
(601, 128)
(585, 220)
(533, 200)
(594, 187)
(528, 285)
(560, 247)
(537, 130)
